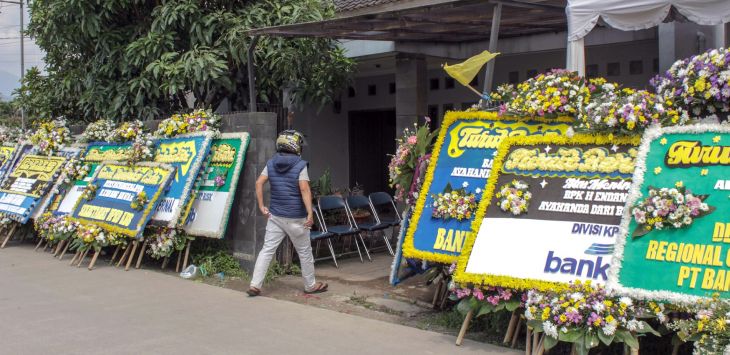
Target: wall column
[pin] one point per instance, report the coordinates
(410, 90)
(667, 48)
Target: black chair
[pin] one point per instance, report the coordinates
(386, 212)
(385, 209)
(319, 233)
(334, 205)
(373, 224)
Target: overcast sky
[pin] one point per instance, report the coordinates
(10, 48)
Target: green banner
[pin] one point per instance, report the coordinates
(212, 206)
(675, 242)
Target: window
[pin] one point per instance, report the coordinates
(655, 65)
(475, 82)
(467, 105)
(513, 77)
(350, 91)
(448, 107)
(531, 73)
(372, 90)
(433, 112)
(449, 83)
(592, 71)
(613, 69)
(434, 84)
(391, 88)
(636, 67)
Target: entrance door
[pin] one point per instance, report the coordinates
(372, 139)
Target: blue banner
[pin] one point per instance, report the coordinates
(186, 154)
(457, 174)
(30, 179)
(121, 198)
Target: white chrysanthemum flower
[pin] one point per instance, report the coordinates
(550, 329)
(609, 328)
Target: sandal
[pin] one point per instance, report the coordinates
(253, 292)
(319, 287)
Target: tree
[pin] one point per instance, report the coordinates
(126, 59)
(8, 112)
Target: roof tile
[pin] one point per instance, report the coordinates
(350, 5)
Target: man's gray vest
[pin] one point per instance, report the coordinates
(286, 198)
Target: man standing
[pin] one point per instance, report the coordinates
(290, 211)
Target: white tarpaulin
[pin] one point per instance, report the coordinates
(632, 15)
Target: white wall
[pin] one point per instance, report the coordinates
(327, 131)
(327, 134)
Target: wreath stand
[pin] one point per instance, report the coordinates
(9, 235)
(180, 253)
(510, 337)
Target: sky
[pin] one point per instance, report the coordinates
(10, 49)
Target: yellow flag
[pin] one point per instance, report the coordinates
(465, 72)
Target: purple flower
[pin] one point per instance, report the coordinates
(220, 180)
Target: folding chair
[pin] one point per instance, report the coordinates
(335, 204)
(373, 224)
(382, 203)
(319, 233)
(386, 212)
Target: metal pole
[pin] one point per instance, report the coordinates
(493, 37)
(251, 75)
(22, 62)
(719, 35)
(22, 56)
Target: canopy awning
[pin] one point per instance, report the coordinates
(641, 14)
(436, 21)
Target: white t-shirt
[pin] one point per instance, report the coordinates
(303, 175)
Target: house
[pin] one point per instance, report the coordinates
(400, 47)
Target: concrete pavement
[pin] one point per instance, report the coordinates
(47, 306)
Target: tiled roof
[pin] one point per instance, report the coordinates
(453, 21)
(350, 5)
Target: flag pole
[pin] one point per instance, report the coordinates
(475, 91)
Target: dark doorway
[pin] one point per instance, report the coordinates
(372, 139)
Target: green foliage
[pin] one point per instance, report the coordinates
(451, 320)
(8, 112)
(220, 261)
(212, 256)
(323, 185)
(277, 270)
(139, 59)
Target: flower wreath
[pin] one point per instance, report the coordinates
(196, 121)
(672, 208)
(74, 169)
(514, 197)
(142, 144)
(89, 192)
(458, 204)
(139, 202)
(587, 315)
(164, 241)
(55, 228)
(51, 136)
(99, 131)
(92, 236)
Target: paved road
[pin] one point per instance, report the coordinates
(47, 306)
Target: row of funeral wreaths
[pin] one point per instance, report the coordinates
(580, 313)
(51, 136)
